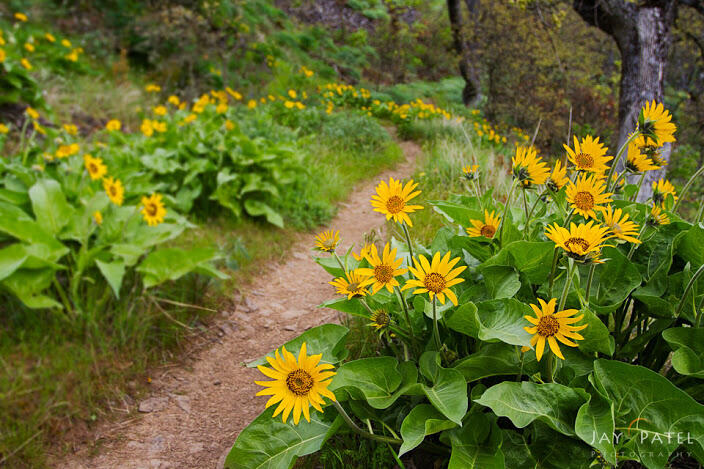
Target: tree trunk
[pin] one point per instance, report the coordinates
(642, 34)
(471, 91)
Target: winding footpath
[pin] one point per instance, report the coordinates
(194, 415)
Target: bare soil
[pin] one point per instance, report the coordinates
(194, 414)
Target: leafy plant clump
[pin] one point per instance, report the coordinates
(556, 329)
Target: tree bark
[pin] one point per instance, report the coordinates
(642, 34)
(471, 91)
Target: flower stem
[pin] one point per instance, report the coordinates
(555, 257)
(436, 331)
(618, 158)
(479, 198)
(640, 235)
(359, 431)
(568, 283)
(551, 368)
(589, 281)
(404, 306)
(503, 218)
(339, 261)
(408, 241)
(686, 188)
(530, 212)
(640, 183)
(525, 209)
(689, 286)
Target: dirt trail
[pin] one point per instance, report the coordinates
(196, 414)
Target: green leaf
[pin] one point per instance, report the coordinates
(688, 345)
(371, 379)
(49, 204)
(19, 225)
(492, 321)
(29, 284)
(421, 421)
(690, 246)
(553, 450)
(654, 410)
(449, 391)
(328, 339)
(597, 337)
(516, 452)
(113, 273)
(11, 259)
(352, 306)
(455, 212)
(173, 263)
(524, 402)
(613, 281)
(596, 425)
(257, 208)
(501, 281)
(477, 444)
(495, 360)
(652, 305)
(267, 443)
(533, 259)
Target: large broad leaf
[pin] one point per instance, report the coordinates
(421, 421)
(656, 415)
(49, 204)
(477, 444)
(496, 360)
(690, 246)
(688, 344)
(173, 263)
(501, 281)
(596, 336)
(456, 212)
(516, 452)
(11, 258)
(257, 208)
(449, 391)
(596, 425)
(372, 379)
(533, 259)
(492, 321)
(352, 306)
(613, 281)
(29, 284)
(328, 339)
(478, 248)
(267, 443)
(553, 450)
(113, 273)
(19, 225)
(524, 402)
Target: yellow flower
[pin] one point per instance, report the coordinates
(98, 217)
(20, 16)
(160, 110)
(384, 269)
(587, 195)
(64, 151)
(660, 190)
(582, 243)
(327, 241)
(234, 93)
(221, 108)
(528, 167)
(658, 217)
(114, 189)
(655, 121)
(288, 104)
(621, 227)
(31, 112)
(251, 104)
(173, 99)
(159, 126)
(300, 105)
(391, 199)
(50, 37)
(380, 319)
(486, 228)
(363, 252)
(589, 155)
(292, 94)
(96, 168)
(636, 161)
(297, 384)
(558, 178)
(435, 278)
(153, 209)
(38, 127)
(3, 55)
(188, 119)
(549, 326)
(66, 43)
(152, 88)
(4, 129)
(147, 128)
(352, 285)
(71, 129)
(113, 125)
(229, 125)
(470, 172)
(25, 63)
(29, 47)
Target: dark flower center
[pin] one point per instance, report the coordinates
(548, 326)
(434, 282)
(299, 382)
